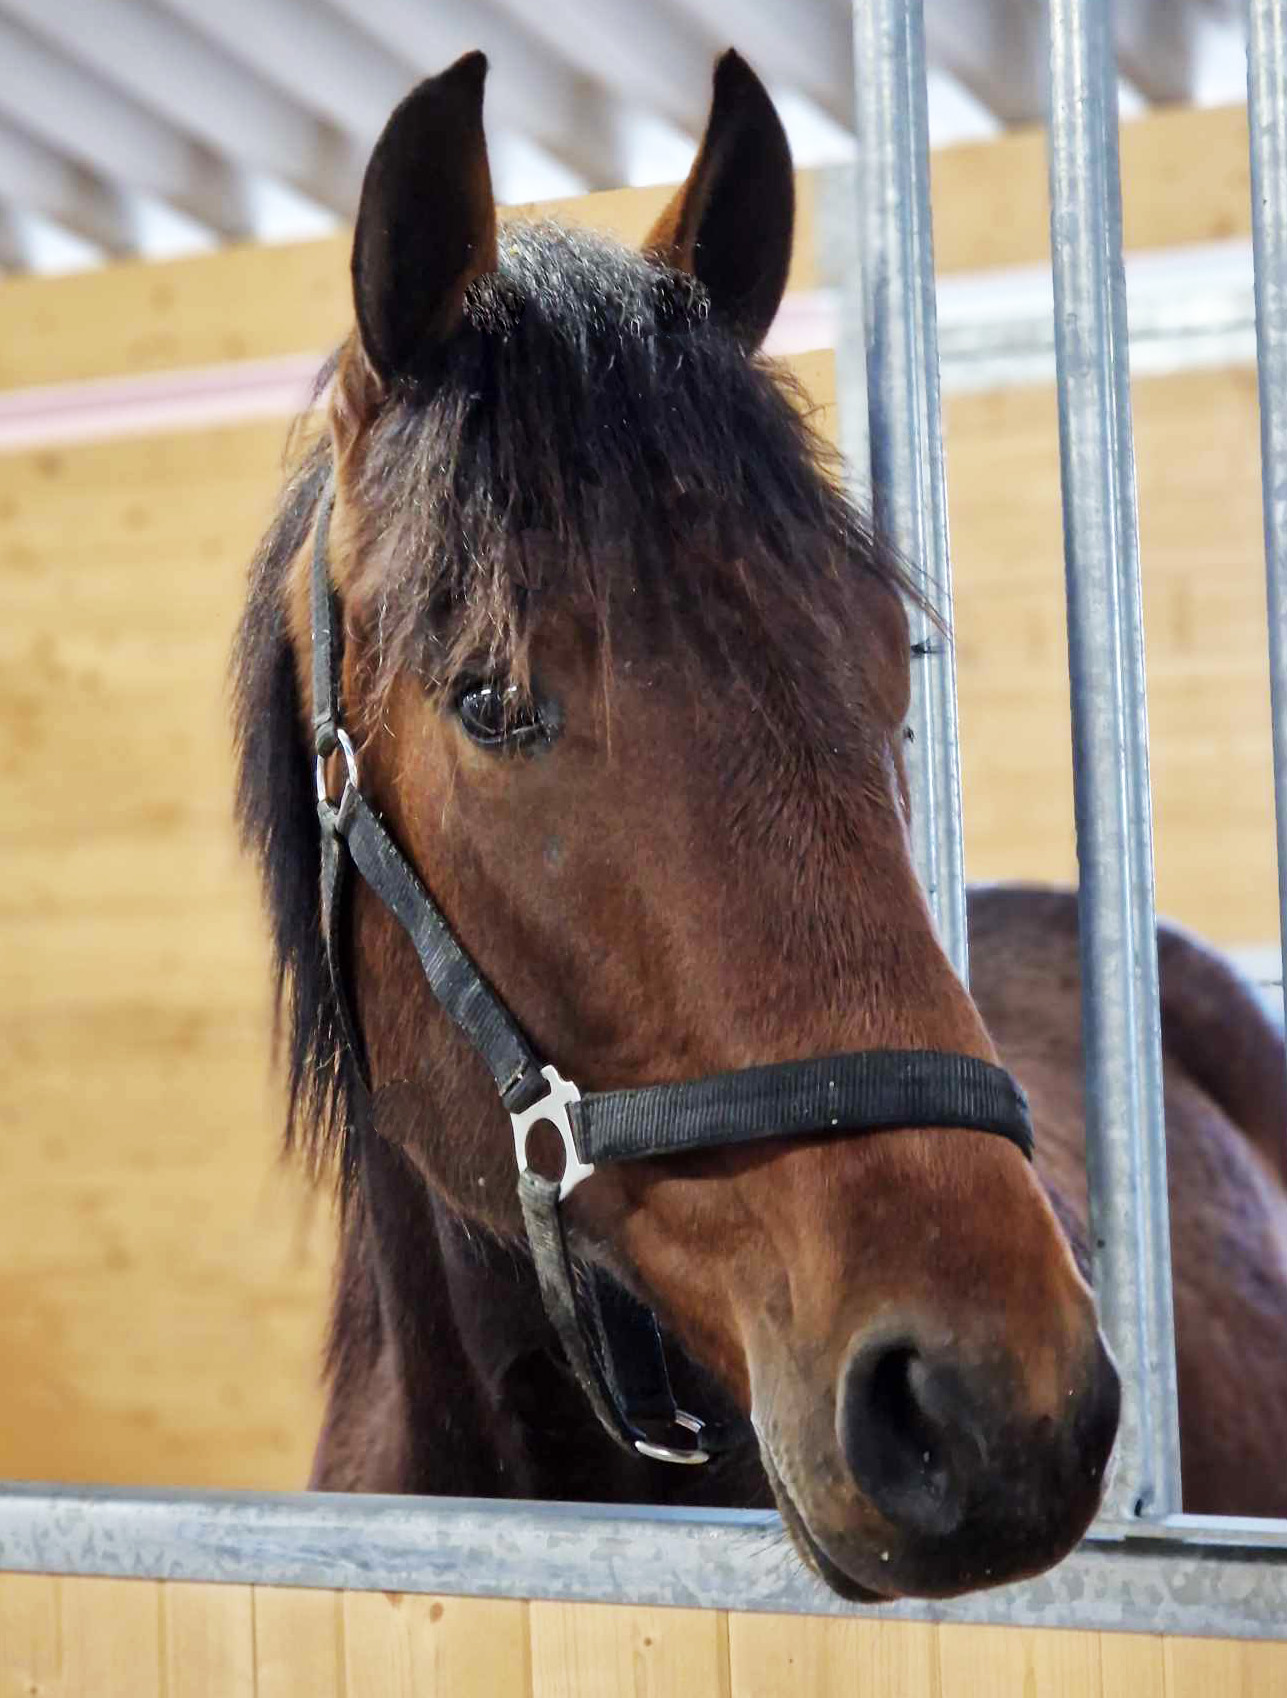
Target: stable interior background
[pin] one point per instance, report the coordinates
(163, 1279)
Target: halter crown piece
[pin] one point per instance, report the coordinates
(612, 1341)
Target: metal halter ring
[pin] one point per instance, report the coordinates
(667, 1453)
(350, 763)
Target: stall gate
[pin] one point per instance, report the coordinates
(141, 1591)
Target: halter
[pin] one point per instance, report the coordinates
(612, 1341)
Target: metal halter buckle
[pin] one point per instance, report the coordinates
(554, 1108)
(668, 1453)
(350, 766)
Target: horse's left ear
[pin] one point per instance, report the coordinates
(730, 224)
(426, 224)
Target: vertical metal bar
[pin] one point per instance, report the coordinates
(909, 497)
(1125, 1123)
(1267, 118)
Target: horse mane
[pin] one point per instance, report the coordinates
(590, 434)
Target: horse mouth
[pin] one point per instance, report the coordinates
(810, 1551)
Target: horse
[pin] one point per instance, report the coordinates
(626, 676)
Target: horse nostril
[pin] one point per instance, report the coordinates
(910, 1433)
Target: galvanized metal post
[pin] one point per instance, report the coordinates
(1126, 1134)
(1267, 118)
(909, 497)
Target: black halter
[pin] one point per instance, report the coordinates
(611, 1341)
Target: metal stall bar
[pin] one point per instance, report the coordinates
(1267, 118)
(909, 495)
(1125, 1125)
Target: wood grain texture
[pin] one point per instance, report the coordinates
(74, 1638)
(1006, 1663)
(1184, 175)
(772, 1655)
(112, 1639)
(162, 1279)
(299, 1643)
(610, 1651)
(31, 1653)
(398, 1646)
(209, 1637)
(1132, 1665)
(1224, 1668)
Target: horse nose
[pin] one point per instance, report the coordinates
(912, 1433)
(935, 1444)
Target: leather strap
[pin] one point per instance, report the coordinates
(871, 1090)
(325, 667)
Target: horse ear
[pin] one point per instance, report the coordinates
(730, 224)
(426, 224)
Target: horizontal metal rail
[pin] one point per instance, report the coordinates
(709, 1559)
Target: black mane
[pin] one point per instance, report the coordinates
(593, 435)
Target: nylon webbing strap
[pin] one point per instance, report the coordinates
(875, 1091)
(453, 978)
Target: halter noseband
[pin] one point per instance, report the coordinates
(612, 1341)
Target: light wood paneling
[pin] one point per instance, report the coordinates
(1184, 173)
(111, 1636)
(31, 1658)
(208, 1635)
(606, 1651)
(1006, 1664)
(132, 1639)
(299, 1643)
(162, 1280)
(1224, 1668)
(1132, 1666)
(773, 1655)
(1200, 522)
(419, 1647)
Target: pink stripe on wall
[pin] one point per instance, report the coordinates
(155, 403)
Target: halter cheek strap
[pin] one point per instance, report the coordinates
(612, 1341)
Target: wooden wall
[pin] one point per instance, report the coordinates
(162, 1281)
(136, 1639)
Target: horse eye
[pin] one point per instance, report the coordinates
(496, 715)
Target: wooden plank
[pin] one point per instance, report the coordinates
(111, 1639)
(1184, 170)
(208, 1634)
(1007, 1662)
(299, 1643)
(247, 302)
(401, 1646)
(859, 1657)
(1132, 1665)
(1184, 180)
(612, 1651)
(31, 1658)
(1224, 1668)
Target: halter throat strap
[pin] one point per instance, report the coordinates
(610, 1339)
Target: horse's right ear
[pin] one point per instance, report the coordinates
(426, 224)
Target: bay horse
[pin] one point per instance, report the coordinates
(625, 675)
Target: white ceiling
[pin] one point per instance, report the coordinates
(161, 127)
